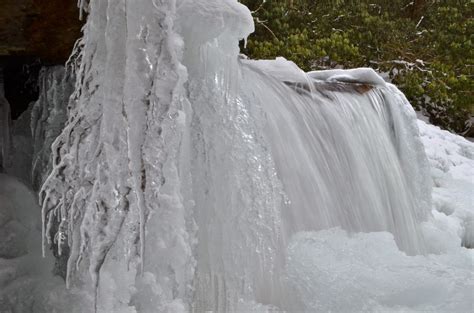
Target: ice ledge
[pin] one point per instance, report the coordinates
(285, 70)
(363, 75)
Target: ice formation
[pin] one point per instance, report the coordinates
(48, 115)
(5, 126)
(356, 75)
(188, 179)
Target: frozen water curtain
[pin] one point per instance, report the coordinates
(123, 132)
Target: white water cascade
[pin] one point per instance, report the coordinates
(187, 178)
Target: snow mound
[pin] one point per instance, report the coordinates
(451, 159)
(333, 271)
(280, 68)
(362, 75)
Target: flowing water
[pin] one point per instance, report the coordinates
(336, 155)
(274, 157)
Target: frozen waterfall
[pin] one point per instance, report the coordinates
(216, 160)
(187, 178)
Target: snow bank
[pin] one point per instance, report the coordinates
(451, 159)
(333, 271)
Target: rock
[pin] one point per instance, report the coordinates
(38, 28)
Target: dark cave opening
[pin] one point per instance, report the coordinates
(20, 75)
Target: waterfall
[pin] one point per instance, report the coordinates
(343, 151)
(183, 170)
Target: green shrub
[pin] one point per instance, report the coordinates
(426, 46)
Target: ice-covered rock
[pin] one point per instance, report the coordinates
(280, 68)
(356, 75)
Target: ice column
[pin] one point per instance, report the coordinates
(5, 126)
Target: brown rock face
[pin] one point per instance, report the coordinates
(45, 29)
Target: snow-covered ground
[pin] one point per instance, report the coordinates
(333, 271)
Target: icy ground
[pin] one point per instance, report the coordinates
(329, 270)
(27, 284)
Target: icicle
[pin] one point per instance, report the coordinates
(83, 7)
(43, 223)
(141, 212)
(49, 225)
(5, 126)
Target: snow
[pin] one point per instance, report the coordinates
(280, 68)
(332, 270)
(451, 158)
(287, 71)
(357, 75)
(216, 17)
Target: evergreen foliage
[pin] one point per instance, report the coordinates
(425, 46)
